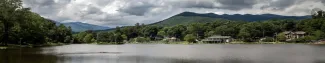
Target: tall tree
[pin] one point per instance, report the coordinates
(317, 13)
(150, 31)
(176, 31)
(9, 10)
(88, 38)
(197, 29)
(190, 38)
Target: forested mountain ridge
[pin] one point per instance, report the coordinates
(185, 18)
(79, 26)
(245, 31)
(191, 17)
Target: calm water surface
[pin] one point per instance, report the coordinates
(163, 53)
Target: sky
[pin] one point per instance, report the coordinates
(112, 13)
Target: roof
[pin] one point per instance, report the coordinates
(300, 32)
(173, 38)
(218, 36)
(287, 32)
(297, 32)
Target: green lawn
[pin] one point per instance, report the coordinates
(185, 42)
(2, 47)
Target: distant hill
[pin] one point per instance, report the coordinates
(78, 26)
(191, 17)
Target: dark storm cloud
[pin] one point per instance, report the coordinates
(137, 9)
(39, 2)
(282, 4)
(195, 4)
(236, 4)
(104, 2)
(93, 10)
(214, 4)
(45, 6)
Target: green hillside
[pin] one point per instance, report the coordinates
(175, 20)
(191, 17)
(186, 18)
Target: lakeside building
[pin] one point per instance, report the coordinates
(217, 39)
(171, 39)
(290, 35)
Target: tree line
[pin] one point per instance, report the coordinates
(18, 25)
(239, 30)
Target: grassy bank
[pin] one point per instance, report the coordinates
(30, 45)
(185, 42)
(2, 47)
(160, 42)
(150, 42)
(258, 43)
(106, 43)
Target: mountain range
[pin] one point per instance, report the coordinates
(191, 17)
(79, 27)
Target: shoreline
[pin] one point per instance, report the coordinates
(151, 42)
(188, 43)
(31, 46)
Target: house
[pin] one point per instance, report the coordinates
(171, 39)
(294, 35)
(217, 39)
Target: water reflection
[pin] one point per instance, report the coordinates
(26, 55)
(162, 53)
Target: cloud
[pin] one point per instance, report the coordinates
(282, 4)
(236, 4)
(137, 8)
(193, 3)
(128, 12)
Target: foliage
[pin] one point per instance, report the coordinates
(268, 39)
(281, 37)
(150, 31)
(318, 13)
(245, 31)
(141, 39)
(21, 26)
(318, 35)
(183, 20)
(189, 38)
(88, 38)
(200, 28)
(187, 18)
(162, 33)
(196, 29)
(305, 39)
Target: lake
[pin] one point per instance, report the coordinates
(168, 53)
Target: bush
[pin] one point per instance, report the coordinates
(189, 38)
(281, 37)
(268, 39)
(141, 39)
(305, 39)
(88, 38)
